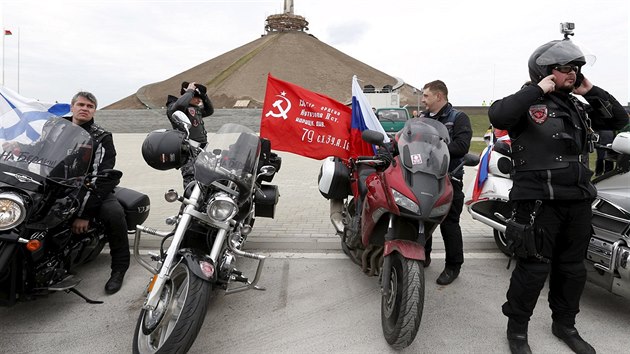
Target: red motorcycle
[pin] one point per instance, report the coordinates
(398, 199)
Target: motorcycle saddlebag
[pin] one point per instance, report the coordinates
(265, 201)
(135, 204)
(334, 179)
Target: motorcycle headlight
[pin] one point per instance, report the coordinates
(440, 210)
(405, 202)
(12, 211)
(221, 208)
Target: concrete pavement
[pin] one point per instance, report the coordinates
(313, 303)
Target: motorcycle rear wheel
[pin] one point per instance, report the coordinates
(173, 326)
(401, 311)
(499, 239)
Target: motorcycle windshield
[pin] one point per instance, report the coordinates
(63, 150)
(422, 144)
(231, 155)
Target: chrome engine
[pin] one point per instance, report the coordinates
(608, 254)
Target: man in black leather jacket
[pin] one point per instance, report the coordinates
(552, 135)
(435, 100)
(99, 201)
(196, 104)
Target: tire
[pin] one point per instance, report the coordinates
(499, 239)
(175, 328)
(401, 311)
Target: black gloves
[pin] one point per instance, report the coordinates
(385, 156)
(201, 89)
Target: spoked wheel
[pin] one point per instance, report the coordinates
(175, 322)
(499, 239)
(401, 311)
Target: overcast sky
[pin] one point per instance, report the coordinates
(479, 48)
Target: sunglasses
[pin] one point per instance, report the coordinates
(565, 69)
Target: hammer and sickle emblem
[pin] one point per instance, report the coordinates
(278, 105)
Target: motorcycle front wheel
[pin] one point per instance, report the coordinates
(499, 239)
(401, 311)
(175, 322)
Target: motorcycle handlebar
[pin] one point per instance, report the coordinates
(369, 160)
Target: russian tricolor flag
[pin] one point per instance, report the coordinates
(363, 118)
(482, 172)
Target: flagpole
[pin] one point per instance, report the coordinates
(18, 62)
(3, 35)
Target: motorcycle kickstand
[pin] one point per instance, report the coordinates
(88, 300)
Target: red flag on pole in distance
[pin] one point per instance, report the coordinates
(304, 122)
(7, 33)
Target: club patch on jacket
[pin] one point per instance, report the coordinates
(538, 113)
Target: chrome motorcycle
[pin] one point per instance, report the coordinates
(215, 216)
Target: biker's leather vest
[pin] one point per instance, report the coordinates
(97, 133)
(448, 119)
(553, 137)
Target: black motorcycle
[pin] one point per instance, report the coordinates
(197, 258)
(39, 185)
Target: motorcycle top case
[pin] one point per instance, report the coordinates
(135, 204)
(266, 199)
(334, 179)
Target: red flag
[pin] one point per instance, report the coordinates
(304, 122)
(7, 33)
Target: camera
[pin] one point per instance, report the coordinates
(567, 28)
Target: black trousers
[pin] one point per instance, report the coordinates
(112, 215)
(451, 231)
(563, 230)
(188, 171)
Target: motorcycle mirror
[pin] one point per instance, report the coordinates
(112, 173)
(373, 137)
(621, 144)
(267, 170)
(471, 160)
(181, 116)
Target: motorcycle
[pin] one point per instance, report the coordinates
(216, 214)
(384, 213)
(490, 203)
(39, 184)
(608, 254)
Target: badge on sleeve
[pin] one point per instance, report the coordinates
(538, 113)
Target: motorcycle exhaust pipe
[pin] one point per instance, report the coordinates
(336, 215)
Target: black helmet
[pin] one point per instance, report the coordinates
(163, 149)
(558, 52)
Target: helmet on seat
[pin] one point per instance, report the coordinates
(165, 149)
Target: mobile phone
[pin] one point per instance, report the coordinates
(579, 77)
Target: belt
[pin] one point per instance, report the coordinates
(571, 158)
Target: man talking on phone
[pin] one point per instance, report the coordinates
(552, 134)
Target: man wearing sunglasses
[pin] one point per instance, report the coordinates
(552, 135)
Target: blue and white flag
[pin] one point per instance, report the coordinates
(22, 119)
